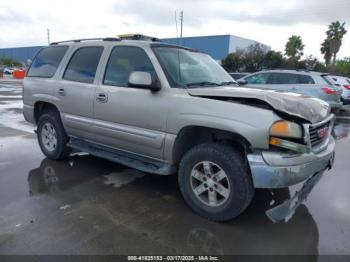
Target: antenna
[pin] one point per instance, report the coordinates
(48, 36)
(181, 22)
(176, 25)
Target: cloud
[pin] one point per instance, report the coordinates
(24, 23)
(271, 12)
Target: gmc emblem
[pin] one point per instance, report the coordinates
(322, 132)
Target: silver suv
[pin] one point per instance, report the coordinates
(315, 84)
(166, 109)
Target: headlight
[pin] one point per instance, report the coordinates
(286, 129)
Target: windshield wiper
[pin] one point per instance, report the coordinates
(227, 83)
(204, 83)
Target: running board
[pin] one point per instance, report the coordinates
(128, 159)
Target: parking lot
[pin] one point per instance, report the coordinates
(86, 205)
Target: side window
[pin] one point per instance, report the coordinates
(83, 64)
(122, 61)
(305, 79)
(46, 61)
(259, 79)
(283, 78)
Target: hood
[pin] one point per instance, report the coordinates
(306, 107)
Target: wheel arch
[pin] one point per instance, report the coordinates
(42, 106)
(190, 136)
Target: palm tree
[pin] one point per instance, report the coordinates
(294, 48)
(335, 34)
(325, 50)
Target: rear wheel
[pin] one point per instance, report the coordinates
(215, 181)
(52, 136)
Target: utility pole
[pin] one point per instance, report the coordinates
(181, 22)
(48, 36)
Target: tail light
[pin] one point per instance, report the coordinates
(347, 86)
(329, 91)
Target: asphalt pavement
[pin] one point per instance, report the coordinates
(87, 205)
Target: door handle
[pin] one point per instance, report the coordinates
(102, 98)
(61, 92)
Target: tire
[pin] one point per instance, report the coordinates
(52, 121)
(238, 187)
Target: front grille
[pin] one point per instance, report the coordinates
(315, 138)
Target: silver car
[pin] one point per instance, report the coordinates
(166, 109)
(344, 83)
(315, 84)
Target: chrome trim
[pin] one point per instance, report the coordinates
(322, 146)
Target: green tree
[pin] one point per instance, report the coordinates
(342, 67)
(253, 57)
(326, 51)
(335, 34)
(233, 62)
(294, 48)
(311, 62)
(9, 62)
(273, 59)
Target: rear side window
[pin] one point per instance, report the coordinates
(283, 79)
(286, 78)
(46, 61)
(348, 80)
(305, 79)
(124, 60)
(258, 79)
(83, 65)
(328, 80)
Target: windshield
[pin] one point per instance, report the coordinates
(185, 68)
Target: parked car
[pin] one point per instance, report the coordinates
(343, 82)
(303, 82)
(166, 109)
(7, 71)
(238, 75)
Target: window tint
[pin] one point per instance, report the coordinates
(283, 78)
(257, 79)
(83, 64)
(46, 61)
(124, 60)
(305, 79)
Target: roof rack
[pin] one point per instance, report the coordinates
(86, 39)
(138, 37)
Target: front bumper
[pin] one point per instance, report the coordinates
(276, 170)
(346, 97)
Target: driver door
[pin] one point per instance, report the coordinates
(128, 118)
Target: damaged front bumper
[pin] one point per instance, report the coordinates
(285, 210)
(276, 170)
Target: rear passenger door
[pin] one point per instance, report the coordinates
(128, 118)
(76, 88)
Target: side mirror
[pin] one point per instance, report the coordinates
(143, 80)
(242, 82)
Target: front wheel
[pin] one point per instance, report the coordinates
(215, 181)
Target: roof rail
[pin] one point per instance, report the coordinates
(295, 69)
(86, 39)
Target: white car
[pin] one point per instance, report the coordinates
(344, 82)
(8, 71)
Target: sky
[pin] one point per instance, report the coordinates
(272, 22)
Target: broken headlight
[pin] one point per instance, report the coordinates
(287, 135)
